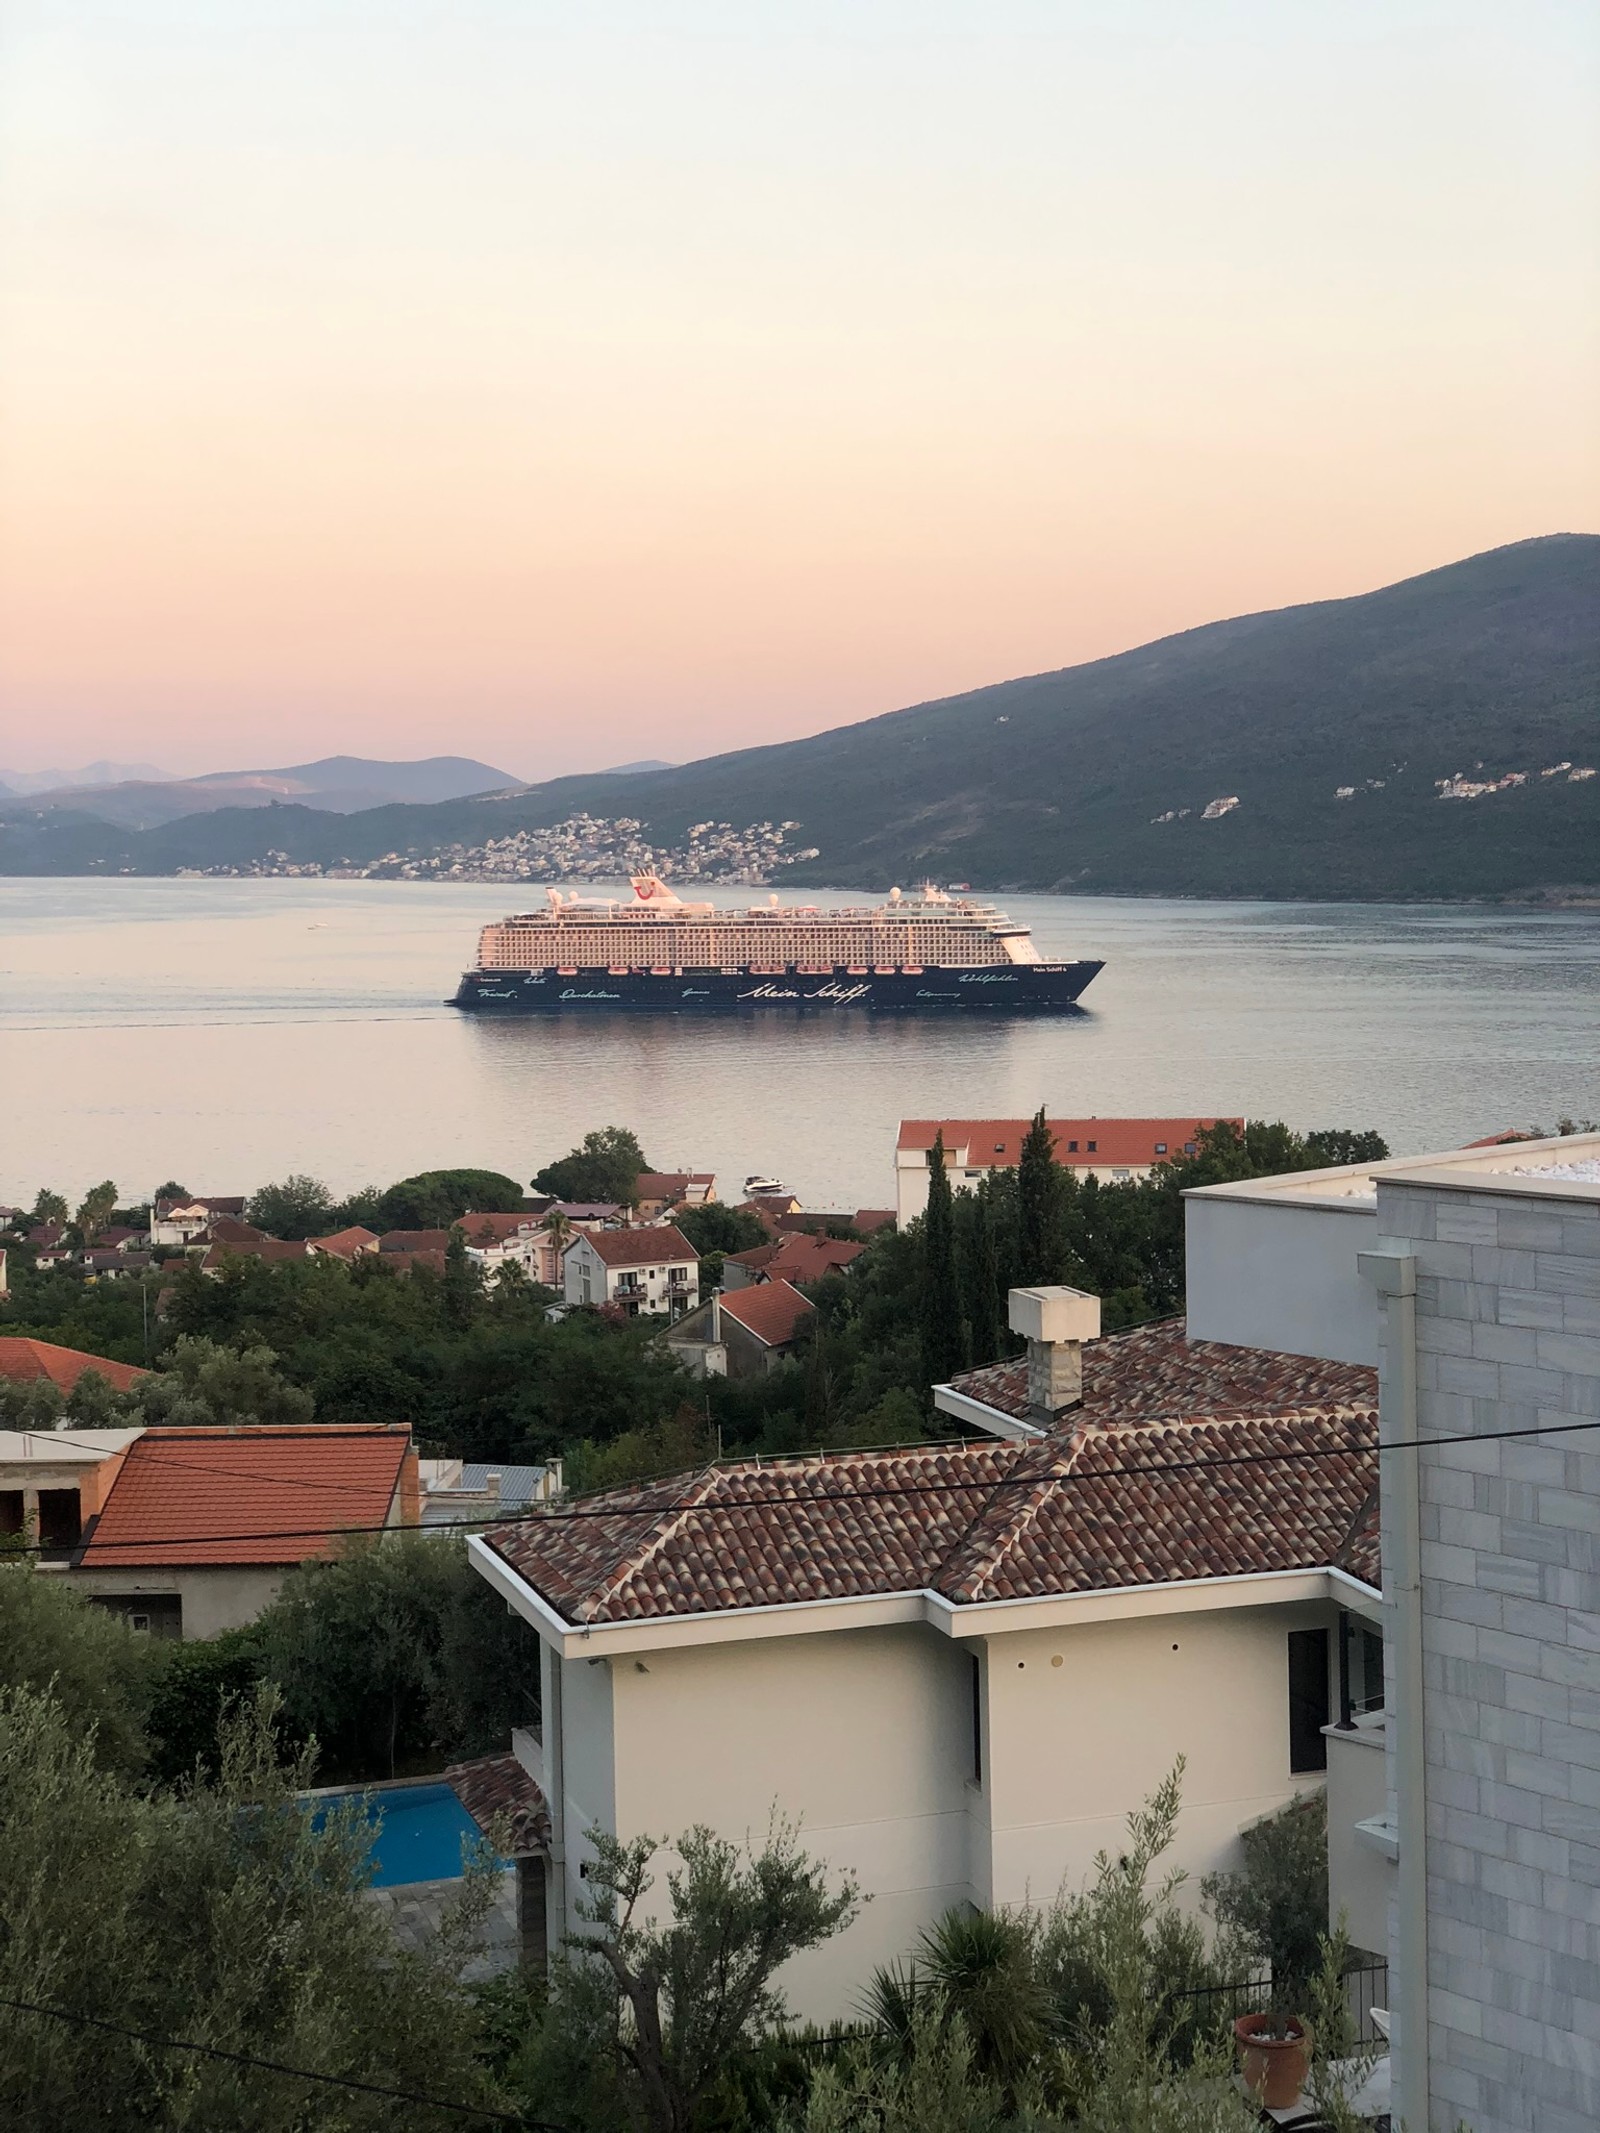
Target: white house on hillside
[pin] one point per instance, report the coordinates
(960, 1665)
(1114, 1150)
(1470, 1809)
(653, 1270)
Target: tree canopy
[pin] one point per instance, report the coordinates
(433, 1199)
(605, 1167)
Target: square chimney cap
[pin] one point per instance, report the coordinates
(1054, 1314)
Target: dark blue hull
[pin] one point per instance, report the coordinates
(1015, 989)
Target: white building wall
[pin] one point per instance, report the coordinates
(862, 1736)
(1074, 1746)
(1280, 1272)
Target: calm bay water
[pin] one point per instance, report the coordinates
(226, 1032)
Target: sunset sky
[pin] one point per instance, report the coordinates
(567, 383)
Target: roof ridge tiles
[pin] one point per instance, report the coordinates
(633, 1564)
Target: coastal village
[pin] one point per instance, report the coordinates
(962, 1578)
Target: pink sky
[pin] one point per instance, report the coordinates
(566, 386)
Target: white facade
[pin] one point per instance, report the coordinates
(945, 1755)
(179, 1225)
(665, 1284)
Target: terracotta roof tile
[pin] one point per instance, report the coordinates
(346, 1243)
(667, 1246)
(773, 1311)
(1085, 1508)
(1089, 1143)
(25, 1361)
(496, 1785)
(261, 1495)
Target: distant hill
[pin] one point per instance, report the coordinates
(338, 784)
(1297, 753)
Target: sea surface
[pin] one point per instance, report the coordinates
(226, 1032)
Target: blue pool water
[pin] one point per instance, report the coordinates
(423, 1832)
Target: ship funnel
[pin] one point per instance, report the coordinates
(651, 889)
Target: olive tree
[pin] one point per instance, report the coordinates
(221, 1916)
(649, 2008)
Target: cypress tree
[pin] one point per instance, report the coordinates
(1039, 1206)
(944, 1337)
(982, 1297)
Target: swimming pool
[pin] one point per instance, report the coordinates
(422, 1832)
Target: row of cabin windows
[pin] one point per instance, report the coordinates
(1310, 1692)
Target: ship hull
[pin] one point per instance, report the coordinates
(1006, 989)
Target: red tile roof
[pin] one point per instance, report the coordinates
(25, 1361)
(670, 1184)
(414, 1240)
(248, 1495)
(773, 1311)
(798, 1258)
(495, 1229)
(346, 1243)
(1085, 1508)
(643, 1247)
(496, 1785)
(996, 1143)
(272, 1249)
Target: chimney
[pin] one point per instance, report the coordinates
(1055, 1323)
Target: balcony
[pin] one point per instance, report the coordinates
(1361, 1846)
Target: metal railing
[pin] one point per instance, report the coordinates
(1365, 1988)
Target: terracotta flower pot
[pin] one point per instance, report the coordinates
(1274, 2068)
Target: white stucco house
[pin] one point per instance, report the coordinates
(960, 1665)
(1116, 1151)
(1464, 1817)
(654, 1270)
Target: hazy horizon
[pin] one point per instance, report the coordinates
(561, 386)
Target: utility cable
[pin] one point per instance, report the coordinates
(109, 1553)
(277, 2066)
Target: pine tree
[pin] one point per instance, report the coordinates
(1039, 1206)
(944, 1337)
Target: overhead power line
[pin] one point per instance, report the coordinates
(110, 1553)
(80, 2020)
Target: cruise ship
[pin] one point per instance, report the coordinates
(927, 952)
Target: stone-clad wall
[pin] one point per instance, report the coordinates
(1508, 1338)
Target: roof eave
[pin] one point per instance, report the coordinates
(955, 1619)
(962, 1407)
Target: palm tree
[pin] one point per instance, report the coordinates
(558, 1228)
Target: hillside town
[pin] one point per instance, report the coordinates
(1140, 1581)
(582, 848)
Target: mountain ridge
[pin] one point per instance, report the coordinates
(1295, 752)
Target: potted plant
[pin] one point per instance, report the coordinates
(1274, 2056)
(1276, 1908)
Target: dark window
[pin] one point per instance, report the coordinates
(1072, 1147)
(1308, 1699)
(1188, 1147)
(1093, 1147)
(1161, 1147)
(60, 1518)
(11, 1511)
(977, 1717)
